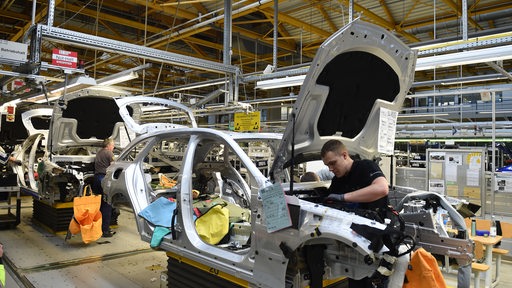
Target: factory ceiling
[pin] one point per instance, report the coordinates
(195, 30)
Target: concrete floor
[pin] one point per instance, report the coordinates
(43, 259)
(505, 278)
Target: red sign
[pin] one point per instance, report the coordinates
(64, 58)
(18, 83)
(11, 111)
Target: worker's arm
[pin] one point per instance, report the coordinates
(378, 189)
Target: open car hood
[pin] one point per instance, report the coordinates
(145, 114)
(29, 117)
(85, 118)
(352, 78)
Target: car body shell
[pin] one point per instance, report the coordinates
(274, 258)
(56, 165)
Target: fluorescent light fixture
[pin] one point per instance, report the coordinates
(468, 90)
(117, 78)
(281, 82)
(496, 112)
(190, 86)
(464, 58)
(74, 84)
(200, 85)
(469, 139)
(454, 106)
(461, 44)
(422, 115)
(273, 100)
(473, 79)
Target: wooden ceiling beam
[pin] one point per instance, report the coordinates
(381, 21)
(37, 19)
(384, 6)
(428, 21)
(196, 48)
(114, 19)
(170, 10)
(457, 8)
(107, 25)
(216, 46)
(296, 22)
(15, 16)
(327, 18)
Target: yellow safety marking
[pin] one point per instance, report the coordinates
(210, 270)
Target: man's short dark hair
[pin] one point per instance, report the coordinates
(335, 146)
(309, 177)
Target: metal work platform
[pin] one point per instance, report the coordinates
(54, 217)
(10, 205)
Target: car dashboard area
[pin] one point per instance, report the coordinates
(314, 192)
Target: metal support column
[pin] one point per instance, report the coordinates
(276, 24)
(228, 42)
(35, 50)
(493, 162)
(464, 20)
(51, 12)
(351, 11)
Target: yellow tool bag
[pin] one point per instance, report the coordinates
(213, 225)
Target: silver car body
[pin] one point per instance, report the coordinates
(27, 116)
(274, 259)
(56, 166)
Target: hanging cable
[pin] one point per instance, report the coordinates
(77, 12)
(145, 43)
(45, 91)
(241, 62)
(98, 8)
(166, 47)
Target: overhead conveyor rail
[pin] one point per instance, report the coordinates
(105, 44)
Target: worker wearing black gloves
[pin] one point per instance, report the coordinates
(359, 184)
(355, 181)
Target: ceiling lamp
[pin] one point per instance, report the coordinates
(73, 85)
(281, 82)
(464, 58)
(118, 78)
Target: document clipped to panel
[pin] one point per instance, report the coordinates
(275, 208)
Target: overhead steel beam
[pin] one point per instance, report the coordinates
(499, 69)
(105, 44)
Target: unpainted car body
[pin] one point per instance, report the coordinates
(339, 100)
(57, 164)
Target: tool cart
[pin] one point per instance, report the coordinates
(10, 201)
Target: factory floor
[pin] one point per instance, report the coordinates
(505, 277)
(41, 258)
(37, 257)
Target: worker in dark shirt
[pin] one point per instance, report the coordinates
(358, 184)
(103, 158)
(355, 181)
